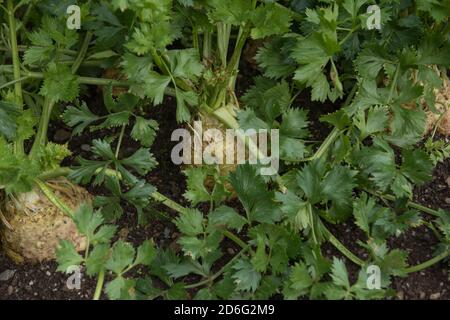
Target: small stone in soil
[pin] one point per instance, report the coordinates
(10, 290)
(7, 275)
(62, 135)
(86, 147)
(123, 233)
(435, 296)
(167, 233)
(448, 181)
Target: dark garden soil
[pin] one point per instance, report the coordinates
(42, 281)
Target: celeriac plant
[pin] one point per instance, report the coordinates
(365, 171)
(354, 174)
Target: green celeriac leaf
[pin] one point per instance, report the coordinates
(379, 162)
(67, 256)
(146, 253)
(200, 247)
(371, 61)
(299, 282)
(17, 172)
(274, 58)
(270, 19)
(248, 120)
(119, 288)
(97, 259)
(417, 166)
(268, 99)
(437, 9)
(9, 113)
(233, 12)
(295, 123)
(310, 181)
(185, 63)
(339, 274)
(26, 122)
(394, 262)
(138, 195)
(47, 41)
(121, 257)
(181, 269)
(260, 259)
(197, 192)
(176, 292)
(313, 54)
(246, 278)
(366, 212)
(88, 221)
(51, 156)
(407, 126)
(59, 83)
(254, 195)
(79, 118)
(376, 121)
(144, 131)
(142, 161)
(154, 87)
(268, 287)
(338, 187)
(190, 223)
(227, 217)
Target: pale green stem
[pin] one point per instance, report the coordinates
(18, 145)
(82, 52)
(99, 287)
(41, 136)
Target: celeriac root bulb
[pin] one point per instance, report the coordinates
(33, 226)
(210, 122)
(442, 105)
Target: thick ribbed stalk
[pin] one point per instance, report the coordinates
(233, 65)
(18, 145)
(53, 198)
(52, 174)
(82, 52)
(408, 204)
(428, 263)
(25, 48)
(86, 80)
(338, 245)
(223, 39)
(207, 45)
(41, 136)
